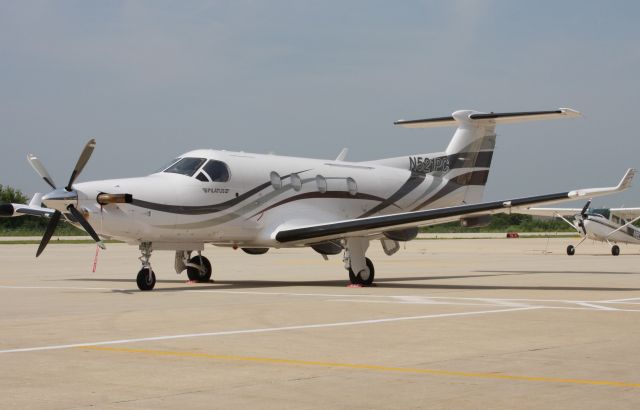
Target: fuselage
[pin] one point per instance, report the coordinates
(259, 194)
(600, 228)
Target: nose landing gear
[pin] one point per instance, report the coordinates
(146, 279)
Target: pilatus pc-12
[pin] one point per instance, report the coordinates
(257, 202)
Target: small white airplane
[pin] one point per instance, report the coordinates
(257, 202)
(611, 225)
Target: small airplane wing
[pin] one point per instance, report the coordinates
(378, 224)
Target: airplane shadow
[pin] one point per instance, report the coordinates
(385, 283)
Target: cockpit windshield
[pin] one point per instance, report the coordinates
(186, 166)
(166, 165)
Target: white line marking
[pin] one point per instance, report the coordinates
(263, 330)
(56, 287)
(598, 307)
(617, 300)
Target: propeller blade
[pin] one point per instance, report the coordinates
(41, 170)
(585, 208)
(82, 161)
(584, 229)
(51, 227)
(85, 224)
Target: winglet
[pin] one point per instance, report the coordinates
(625, 183)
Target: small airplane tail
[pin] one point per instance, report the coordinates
(467, 159)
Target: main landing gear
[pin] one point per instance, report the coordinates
(571, 250)
(361, 269)
(198, 267)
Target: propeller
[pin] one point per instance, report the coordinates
(583, 216)
(64, 196)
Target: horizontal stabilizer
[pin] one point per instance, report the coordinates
(467, 116)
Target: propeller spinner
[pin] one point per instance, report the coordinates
(63, 199)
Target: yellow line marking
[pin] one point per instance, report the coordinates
(435, 372)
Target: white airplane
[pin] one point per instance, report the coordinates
(611, 225)
(257, 202)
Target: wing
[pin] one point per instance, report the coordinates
(378, 224)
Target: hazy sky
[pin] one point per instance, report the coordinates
(152, 79)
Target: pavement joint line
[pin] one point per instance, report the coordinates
(338, 295)
(378, 368)
(262, 330)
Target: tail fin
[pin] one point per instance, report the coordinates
(470, 151)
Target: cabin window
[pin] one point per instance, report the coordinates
(296, 182)
(217, 171)
(186, 166)
(321, 183)
(276, 180)
(352, 186)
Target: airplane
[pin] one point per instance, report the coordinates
(257, 202)
(611, 225)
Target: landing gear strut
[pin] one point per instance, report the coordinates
(361, 270)
(146, 279)
(571, 250)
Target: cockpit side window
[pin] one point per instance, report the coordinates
(186, 166)
(217, 171)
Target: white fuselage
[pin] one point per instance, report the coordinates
(263, 193)
(600, 228)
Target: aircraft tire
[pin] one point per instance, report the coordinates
(615, 250)
(571, 250)
(195, 274)
(357, 279)
(144, 280)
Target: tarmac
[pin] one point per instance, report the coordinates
(450, 324)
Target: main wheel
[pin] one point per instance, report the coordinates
(615, 250)
(571, 250)
(363, 278)
(146, 279)
(196, 274)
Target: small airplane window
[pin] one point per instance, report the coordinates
(217, 170)
(186, 166)
(202, 177)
